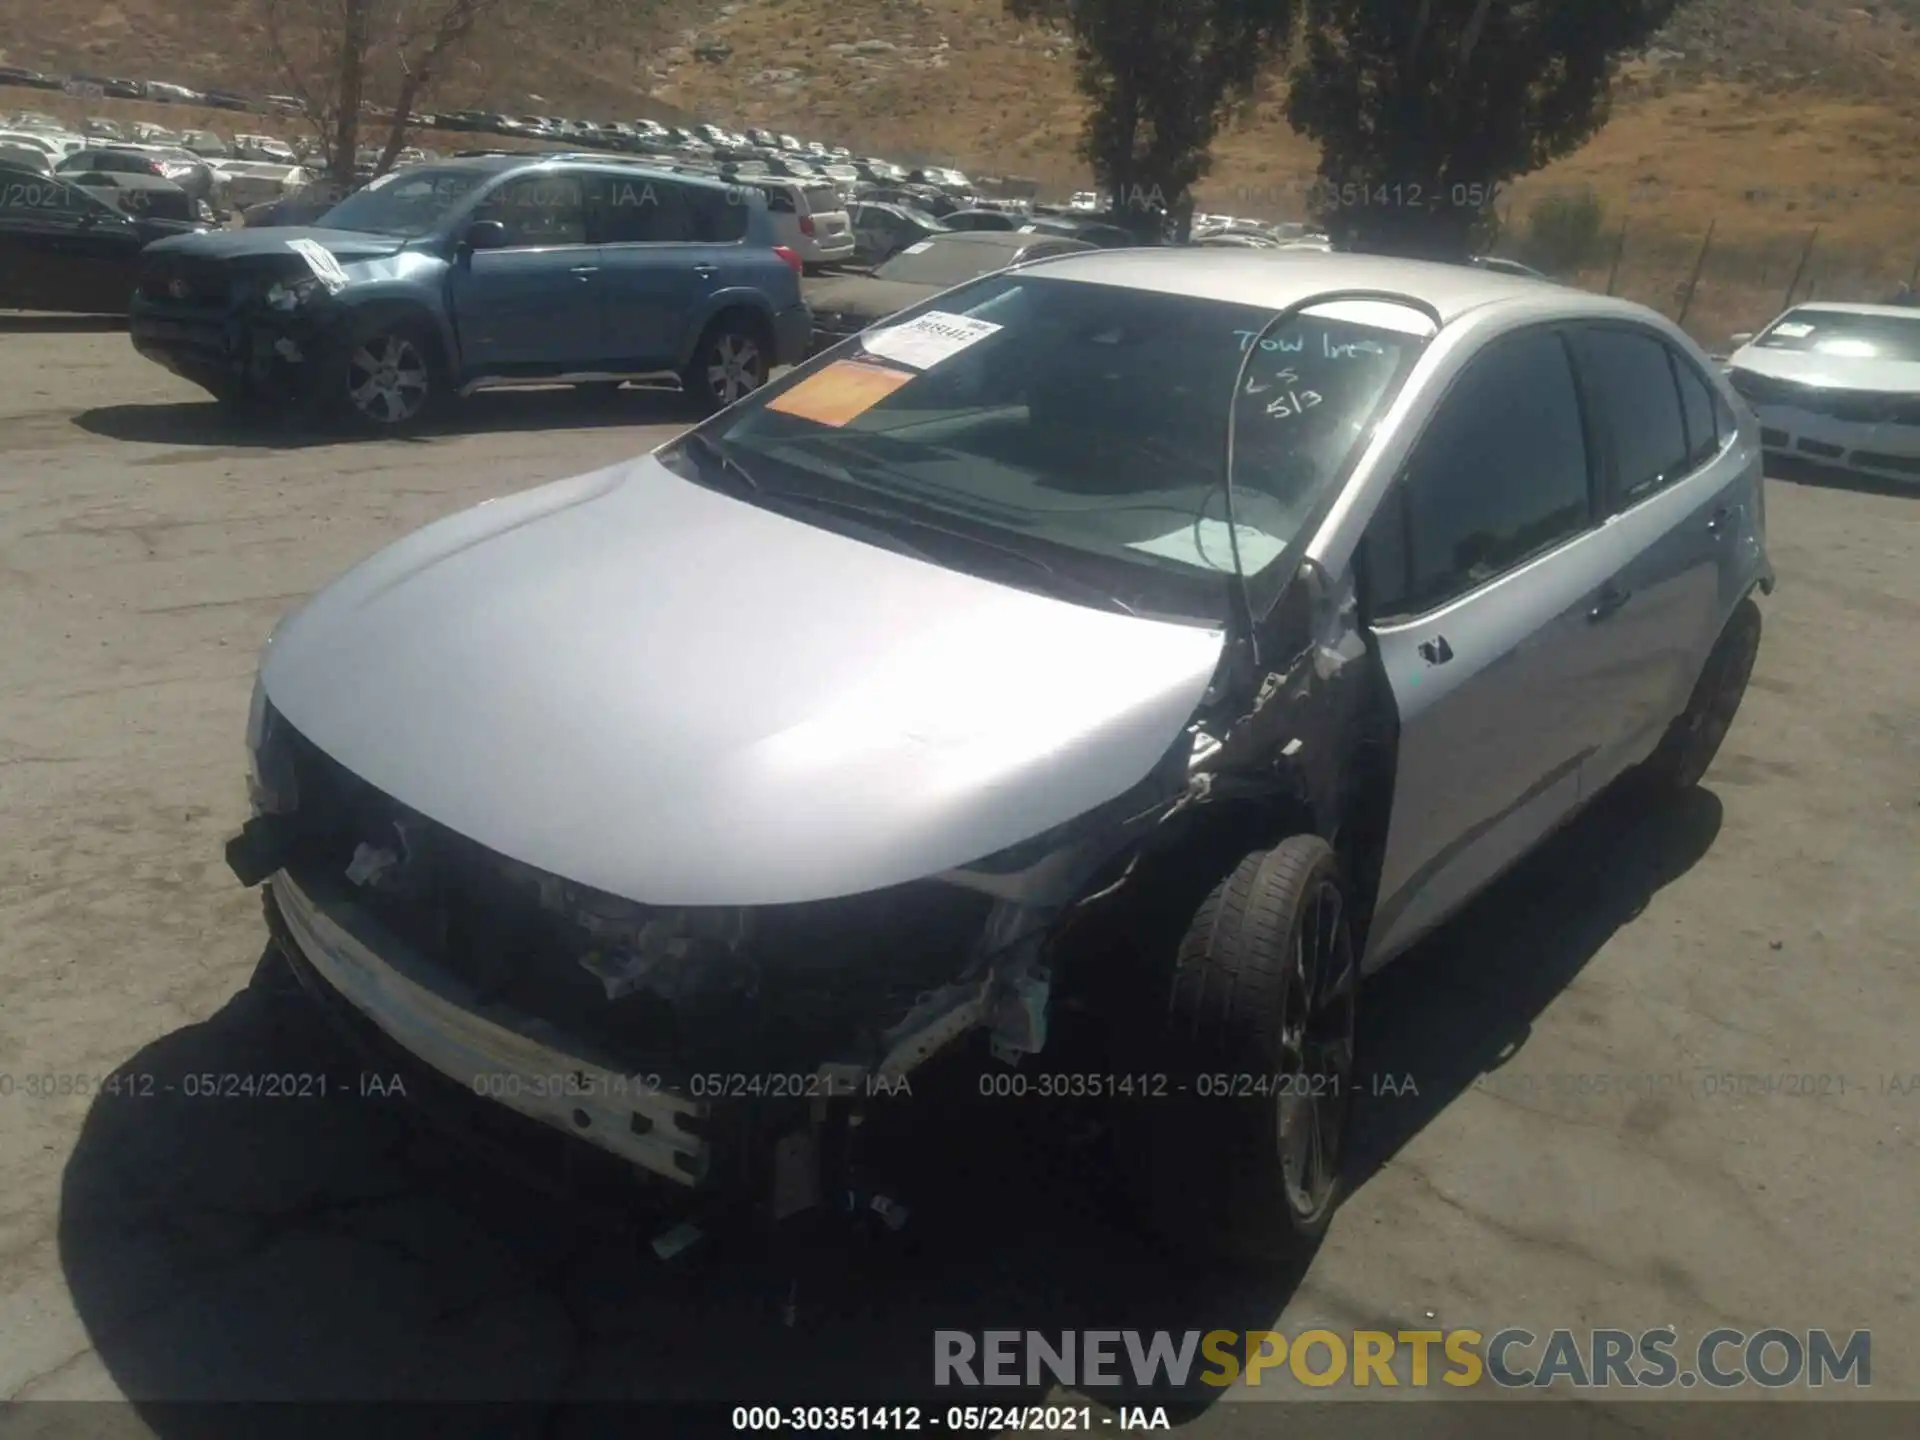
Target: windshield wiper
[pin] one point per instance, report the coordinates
(710, 448)
(885, 517)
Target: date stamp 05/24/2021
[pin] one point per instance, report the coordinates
(201, 1085)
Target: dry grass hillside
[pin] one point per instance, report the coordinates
(1762, 118)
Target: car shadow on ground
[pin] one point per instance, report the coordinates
(40, 323)
(1798, 471)
(226, 1247)
(491, 411)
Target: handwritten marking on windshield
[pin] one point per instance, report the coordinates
(1286, 377)
(1275, 344)
(1283, 407)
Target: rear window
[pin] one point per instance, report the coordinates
(821, 197)
(1844, 335)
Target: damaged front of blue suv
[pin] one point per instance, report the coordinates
(446, 278)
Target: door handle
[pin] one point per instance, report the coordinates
(705, 272)
(1436, 651)
(583, 271)
(1608, 601)
(1718, 521)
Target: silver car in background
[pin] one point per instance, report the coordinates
(1837, 384)
(1181, 634)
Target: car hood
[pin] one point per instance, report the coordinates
(865, 298)
(674, 696)
(346, 245)
(1838, 372)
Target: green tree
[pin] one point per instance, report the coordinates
(1425, 109)
(1160, 78)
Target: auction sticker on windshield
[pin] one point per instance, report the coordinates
(842, 391)
(924, 341)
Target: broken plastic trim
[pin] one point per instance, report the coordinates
(1242, 596)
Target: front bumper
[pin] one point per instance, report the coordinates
(485, 1051)
(1883, 449)
(229, 353)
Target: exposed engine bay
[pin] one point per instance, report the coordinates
(857, 988)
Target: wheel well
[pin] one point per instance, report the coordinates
(746, 316)
(373, 319)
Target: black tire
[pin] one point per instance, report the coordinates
(1257, 1042)
(1691, 742)
(732, 360)
(388, 379)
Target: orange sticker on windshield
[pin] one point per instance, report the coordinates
(841, 392)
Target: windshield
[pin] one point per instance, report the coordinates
(407, 204)
(1086, 424)
(1842, 335)
(946, 262)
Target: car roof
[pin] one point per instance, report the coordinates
(1278, 278)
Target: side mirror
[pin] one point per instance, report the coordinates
(485, 235)
(1745, 337)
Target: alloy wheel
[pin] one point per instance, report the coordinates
(1317, 1051)
(388, 380)
(733, 368)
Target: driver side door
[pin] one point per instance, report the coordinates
(531, 305)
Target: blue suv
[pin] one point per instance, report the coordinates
(441, 279)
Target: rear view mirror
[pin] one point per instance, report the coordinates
(486, 235)
(1745, 337)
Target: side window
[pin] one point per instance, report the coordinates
(1634, 387)
(539, 210)
(1500, 475)
(719, 216)
(641, 209)
(1696, 407)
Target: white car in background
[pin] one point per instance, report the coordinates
(1839, 384)
(810, 218)
(260, 182)
(264, 147)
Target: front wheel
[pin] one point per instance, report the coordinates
(391, 382)
(1244, 1156)
(730, 362)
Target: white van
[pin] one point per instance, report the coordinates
(810, 219)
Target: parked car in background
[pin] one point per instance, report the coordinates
(250, 183)
(263, 147)
(1101, 234)
(27, 79)
(65, 247)
(981, 219)
(1838, 384)
(98, 127)
(183, 168)
(882, 231)
(225, 100)
(205, 144)
(23, 157)
(847, 305)
(146, 198)
(56, 145)
(433, 282)
(167, 93)
(810, 219)
(1049, 753)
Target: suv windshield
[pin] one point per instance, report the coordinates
(1086, 425)
(408, 203)
(1844, 335)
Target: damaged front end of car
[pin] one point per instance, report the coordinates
(733, 1048)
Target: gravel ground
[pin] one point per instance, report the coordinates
(171, 1248)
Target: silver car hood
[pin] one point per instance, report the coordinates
(674, 696)
(1836, 371)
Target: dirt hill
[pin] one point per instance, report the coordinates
(1760, 117)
